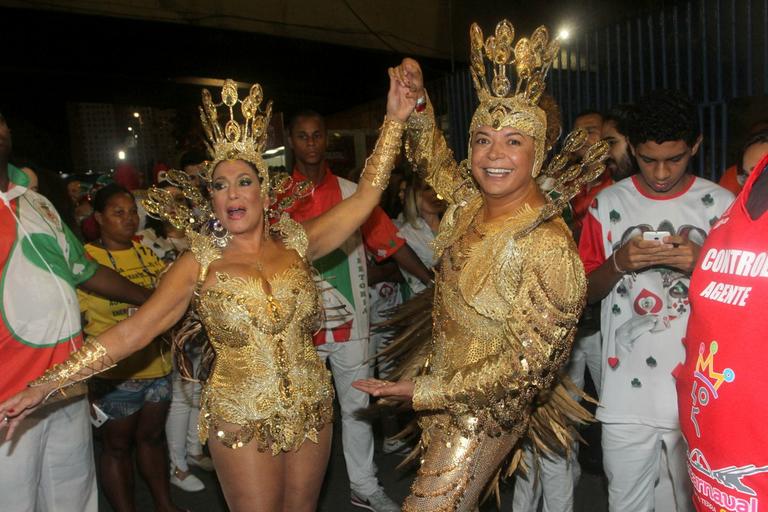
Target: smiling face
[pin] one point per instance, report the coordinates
(235, 193)
(502, 161)
(664, 167)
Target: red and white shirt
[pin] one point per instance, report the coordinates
(723, 410)
(345, 278)
(644, 317)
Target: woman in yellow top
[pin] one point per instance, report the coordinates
(267, 406)
(509, 286)
(136, 393)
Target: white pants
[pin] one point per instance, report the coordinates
(554, 479)
(181, 425)
(587, 353)
(557, 477)
(348, 364)
(632, 456)
(48, 465)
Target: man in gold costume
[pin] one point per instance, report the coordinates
(509, 284)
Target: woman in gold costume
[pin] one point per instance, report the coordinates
(268, 392)
(509, 285)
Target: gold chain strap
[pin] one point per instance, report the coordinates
(379, 165)
(90, 359)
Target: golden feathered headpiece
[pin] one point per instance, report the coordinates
(502, 103)
(234, 140)
(244, 140)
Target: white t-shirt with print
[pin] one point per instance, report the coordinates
(643, 319)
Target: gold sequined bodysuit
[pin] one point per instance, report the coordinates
(508, 297)
(267, 379)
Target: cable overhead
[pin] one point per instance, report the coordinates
(373, 32)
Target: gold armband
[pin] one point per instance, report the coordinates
(90, 359)
(379, 165)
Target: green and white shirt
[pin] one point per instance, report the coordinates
(42, 263)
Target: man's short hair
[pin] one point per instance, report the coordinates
(589, 112)
(303, 114)
(622, 115)
(664, 115)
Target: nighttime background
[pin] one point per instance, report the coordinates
(327, 55)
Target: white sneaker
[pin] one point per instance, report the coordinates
(189, 483)
(377, 502)
(204, 462)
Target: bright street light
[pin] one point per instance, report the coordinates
(121, 155)
(136, 115)
(130, 128)
(564, 33)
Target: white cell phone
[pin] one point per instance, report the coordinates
(101, 417)
(656, 236)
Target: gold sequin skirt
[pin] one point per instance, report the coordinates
(272, 432)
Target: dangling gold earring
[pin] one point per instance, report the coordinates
(220, 234)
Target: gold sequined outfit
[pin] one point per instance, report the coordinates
(508, 297)
(268, 381)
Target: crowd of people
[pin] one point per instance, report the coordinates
(212, 319)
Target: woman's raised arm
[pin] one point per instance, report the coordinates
(329, 230)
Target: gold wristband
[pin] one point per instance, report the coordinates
(90, 359)
(379, 165)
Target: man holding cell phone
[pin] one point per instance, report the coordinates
(639, 244)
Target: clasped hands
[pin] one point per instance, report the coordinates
(673, 251)
(406, 86)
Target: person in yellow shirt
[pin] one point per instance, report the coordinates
(136, 394)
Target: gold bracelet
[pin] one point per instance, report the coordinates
(90, 359)
(379, 165)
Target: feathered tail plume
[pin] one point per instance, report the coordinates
(408, 352)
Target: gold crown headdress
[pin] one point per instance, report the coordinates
(235, 140)
(522, 107)
(501, 105)
(245, 140)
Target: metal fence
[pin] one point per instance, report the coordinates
(715, 50)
